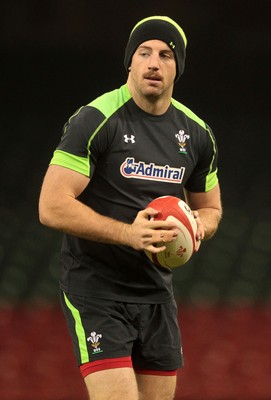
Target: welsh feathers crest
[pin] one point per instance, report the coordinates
(182, 138)
(94, 338)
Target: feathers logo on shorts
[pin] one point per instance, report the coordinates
(94, 338)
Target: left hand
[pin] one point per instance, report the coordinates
(200, 231)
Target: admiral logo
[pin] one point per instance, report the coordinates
(141, 170)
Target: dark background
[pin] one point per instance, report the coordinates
(58, 55)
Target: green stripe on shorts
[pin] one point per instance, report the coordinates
(80, 333)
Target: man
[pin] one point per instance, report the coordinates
(119, 306)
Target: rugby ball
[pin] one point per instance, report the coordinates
(179, 251)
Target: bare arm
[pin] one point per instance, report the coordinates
(59, 209)
(207, 210)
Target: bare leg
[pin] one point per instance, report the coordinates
(152, 387)
(112, 384)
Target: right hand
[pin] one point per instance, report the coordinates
(144, 233)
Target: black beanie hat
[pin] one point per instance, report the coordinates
(160, 28)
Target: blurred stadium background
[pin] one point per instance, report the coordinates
(58, 55)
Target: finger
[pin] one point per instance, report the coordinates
(156, 249)
(200, 231)
(158, 237)
(199, 235)
(197, 245)
(162, 235)
(148, 212)
(165, 236)
(166, 225)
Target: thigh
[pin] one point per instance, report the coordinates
(152, 387)
(159, 345)
(113, 384)
(99, 330)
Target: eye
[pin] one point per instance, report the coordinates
(166, 55)
(144, 53)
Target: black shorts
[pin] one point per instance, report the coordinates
(109, 334)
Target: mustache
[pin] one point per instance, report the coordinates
(152, 75)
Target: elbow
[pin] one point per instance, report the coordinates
(43, 220)
(46, 217)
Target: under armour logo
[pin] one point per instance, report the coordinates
(172, 45)
(128, 139)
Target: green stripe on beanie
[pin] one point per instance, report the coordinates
(161, 28)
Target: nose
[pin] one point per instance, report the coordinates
(154, 62)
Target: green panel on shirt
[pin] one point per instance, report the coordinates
(67, 160)
(188, 112)
(111, 101)
(211, 181)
